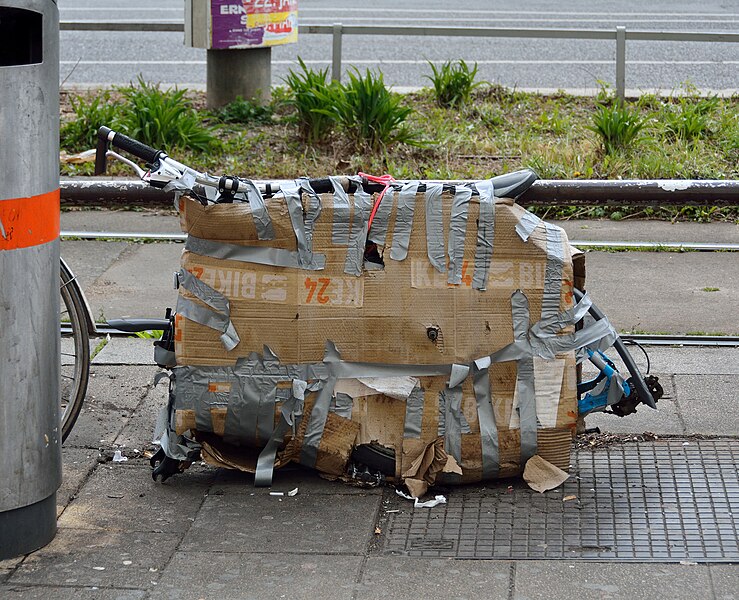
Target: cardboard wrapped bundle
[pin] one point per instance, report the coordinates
(304, 332)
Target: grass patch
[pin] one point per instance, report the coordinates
(710, 289)
(499, 130)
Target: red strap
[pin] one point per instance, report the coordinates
(386, 179)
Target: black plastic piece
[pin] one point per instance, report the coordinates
(146, 153)
(134, 325)
(163, 466)
(376, 457)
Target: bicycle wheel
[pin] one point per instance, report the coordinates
(75, 352)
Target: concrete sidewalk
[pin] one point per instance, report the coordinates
(210, 534)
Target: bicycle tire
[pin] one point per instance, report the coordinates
(75, 353)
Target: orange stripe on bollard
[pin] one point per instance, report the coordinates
(26, 222)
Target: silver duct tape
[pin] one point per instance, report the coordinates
(251, 411)
(378, 233)
(413, 414)
(266, 460)
(209, 318)
(342, 405)
(526, 393)
(203, 292)
(262, 221)
(526, 225)
(453, 415)
(486, 419)
(291, 193)
(319, 413)
(552, 293)
(458, 233)
(341, 212)
(164, 358)
(485, 235)
(404, 220)
(354, 262)
(435, 227)
(313, 213)
(261, 255)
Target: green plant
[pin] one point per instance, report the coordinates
(244, 111)
(153, 334)
(163, 118)
(370, 114)
(453, 82)
(689, 120)
(617, 126)
(89, 114)
(312, 96)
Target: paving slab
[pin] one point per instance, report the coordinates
(560, 579)
(138, 284)
(139, 430)
(632, 230)
(144, 220)
(708, 403)
(119, 497)
(725, 581)
(624, 288)
(306, 523)
(399, 577)
(286, 479)
(7, 567)
(126, 351)
(255, 576)
(664, 421)
(88, 259)
(23, 592)
(93, 557)
(113, 394)
(694, 360)
(77, 464)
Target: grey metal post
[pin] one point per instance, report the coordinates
(234, 73)
(30, 436)
(336, 52)
(621, 62)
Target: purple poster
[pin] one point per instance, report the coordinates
(253, 23)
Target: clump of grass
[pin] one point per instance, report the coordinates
(617, 126)
(689, 120)
(90, 113)
(371, 115)
(163, 118)
(312, 96)
(453, 82)
(243, 111)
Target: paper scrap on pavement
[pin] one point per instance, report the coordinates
(418, 504)
(542, 475)
(118, 457)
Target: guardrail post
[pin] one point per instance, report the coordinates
(621, 62)
(336, 53)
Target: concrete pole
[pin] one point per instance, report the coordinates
(233, 73)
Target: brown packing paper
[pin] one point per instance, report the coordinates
(542, 475)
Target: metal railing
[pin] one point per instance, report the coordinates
(337, 30)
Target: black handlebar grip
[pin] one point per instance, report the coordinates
(146, 153)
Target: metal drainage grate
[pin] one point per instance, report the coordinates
(668, 500)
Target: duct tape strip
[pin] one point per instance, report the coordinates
(413, 414)
(358, 238)
(342, 405)
(435, 226)
(317, 421)
(313, 213)
(217, 317)
(404, 220)
(485, 234)
(453, 412)
(458, 232)
(342, 211)
(486, 419)
(291, 192)
(551, 297)
(526, 225)
(382, 218)
(262, 255)
(525, 385)
(266, 460)
(262, 221)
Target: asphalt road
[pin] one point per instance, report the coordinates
(104, 58)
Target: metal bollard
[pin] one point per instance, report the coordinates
(30, 438)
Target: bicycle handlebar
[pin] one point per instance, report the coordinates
(146, 153)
